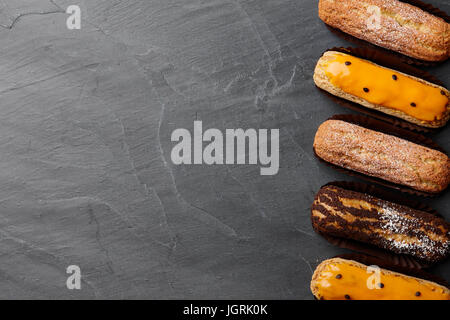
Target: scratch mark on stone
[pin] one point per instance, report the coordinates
(22, 15)
(164, 214)
(303, 152)
(124, 219)
(288, 84)
(217, 223)
(105, 251)
(304, 232)
(255, 29)
(61, 264)
(92, 65)
(308, 263)
(250, 196)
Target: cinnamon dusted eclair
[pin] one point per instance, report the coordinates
(352, 215)
(382, 89)
(391, 24)
(342, 279)
(382, 156)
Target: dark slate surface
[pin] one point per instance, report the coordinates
(86, 175)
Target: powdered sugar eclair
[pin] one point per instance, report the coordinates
(391, 24)
(361, 217)
(382, 156)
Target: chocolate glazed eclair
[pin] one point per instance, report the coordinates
(352, 215)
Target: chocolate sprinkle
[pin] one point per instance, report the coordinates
(347, 297)
(366, 90)
(381, 285)
(413, 104)
(418, 294)
(394, 77)
(443, 92)
(339, 276)
(347, 63)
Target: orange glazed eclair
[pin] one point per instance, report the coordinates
(383, 89)
(342, 279)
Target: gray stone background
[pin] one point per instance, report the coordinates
(85, 170)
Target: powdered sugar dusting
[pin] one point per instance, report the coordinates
(381, 155)
(405, 234)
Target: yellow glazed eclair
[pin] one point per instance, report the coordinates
(383, 89)
(342, 279)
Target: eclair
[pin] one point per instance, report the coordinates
(389, 91)
(343, 279)
(361, 217)
(382, 156)
(391, 24)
